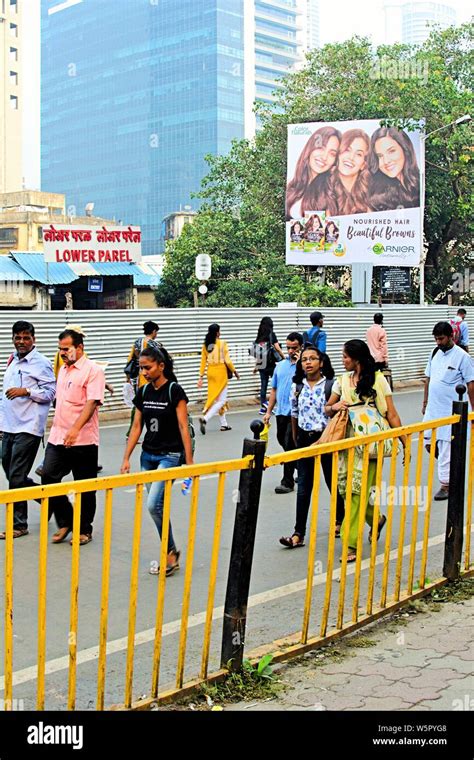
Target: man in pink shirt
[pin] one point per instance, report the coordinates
(376, 338)
(73, 444)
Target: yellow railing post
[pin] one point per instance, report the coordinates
(313, 531)
(426, 528)
(331, 543)
(104, 599)
(470, 487)
(188, 575)
(414, 529)
(345, 537)
(360, 532)
(42, 570)
(375, 528)
(160, 600)
(76, 525)
(132, 612)
(8, 653)
(403, 517)
(213, 575)
(388, 530)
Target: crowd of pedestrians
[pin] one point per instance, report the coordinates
(305, 399)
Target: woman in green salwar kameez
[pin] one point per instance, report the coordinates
(360, 383)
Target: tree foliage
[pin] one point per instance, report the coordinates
(241, 223)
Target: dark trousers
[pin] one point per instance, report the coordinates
(265, 375)
(18, 455)
(285, 439)
(305, 482)
(59, 461)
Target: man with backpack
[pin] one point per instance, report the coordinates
(316, 336)
(448, 366)
(280, 396)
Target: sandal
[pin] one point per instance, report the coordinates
(17, 532)
(289, 543)
(84, 538)
(60, 535)
(170, 569)
(225, 427)
(351, 556)
(382, 522)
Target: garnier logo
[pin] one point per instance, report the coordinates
(301, 130)
(378, 248)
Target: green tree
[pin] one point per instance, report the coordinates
(242, 220)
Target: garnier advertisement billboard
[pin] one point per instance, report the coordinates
(353, 194)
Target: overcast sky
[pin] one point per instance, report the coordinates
(339, 20)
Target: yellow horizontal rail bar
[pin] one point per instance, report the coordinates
(470, 416)
(124, 481)
(350, 443)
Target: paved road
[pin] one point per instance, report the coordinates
(277, 589)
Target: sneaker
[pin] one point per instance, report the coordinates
(442, 494)
(283, 489)
(263, 410)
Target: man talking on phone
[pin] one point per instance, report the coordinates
(280, 395)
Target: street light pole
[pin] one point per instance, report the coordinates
(423, 139)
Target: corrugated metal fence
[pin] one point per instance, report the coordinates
(110, 335)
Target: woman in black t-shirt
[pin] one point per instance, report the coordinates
(161, 406)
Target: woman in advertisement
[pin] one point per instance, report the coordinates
(296, 234)
(350, 179)
(332, 233)
(309, 188)
(395, 176)
(314, 229)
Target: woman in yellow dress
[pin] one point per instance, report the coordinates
(216, 361)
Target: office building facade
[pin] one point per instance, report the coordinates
(11, 96)
(135, 93)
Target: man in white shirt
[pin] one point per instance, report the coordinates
(448, 366)
(29, 387)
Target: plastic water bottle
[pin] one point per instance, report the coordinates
(186, 486)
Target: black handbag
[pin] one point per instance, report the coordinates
(132, 369)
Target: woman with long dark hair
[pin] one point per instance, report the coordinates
(308, 190)
(360, 384)
(395, 176)
(314, 229)
(266, 351)
(215, 360)
(160, 406)
(350, 178)
(311, 389)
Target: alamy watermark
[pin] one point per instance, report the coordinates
(387, 68)
(463, 282)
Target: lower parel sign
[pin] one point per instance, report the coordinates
(82, 244)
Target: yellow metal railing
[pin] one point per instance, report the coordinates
(401, 526)
(108, 485)
(338, 610)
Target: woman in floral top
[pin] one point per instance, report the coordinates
(309, 393)
(360, 383)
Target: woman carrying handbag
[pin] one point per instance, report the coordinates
(215, 360)
(366, 395)
(310, 391)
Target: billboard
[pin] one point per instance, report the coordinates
(83, 244)
(353, 194)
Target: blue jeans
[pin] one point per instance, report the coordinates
(156, 490)
(265, 375)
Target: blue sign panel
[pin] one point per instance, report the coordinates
(95, 285)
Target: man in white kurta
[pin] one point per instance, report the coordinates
(448, 366)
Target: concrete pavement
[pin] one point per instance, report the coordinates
(419, 659)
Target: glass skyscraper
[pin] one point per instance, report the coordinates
(134, 94)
